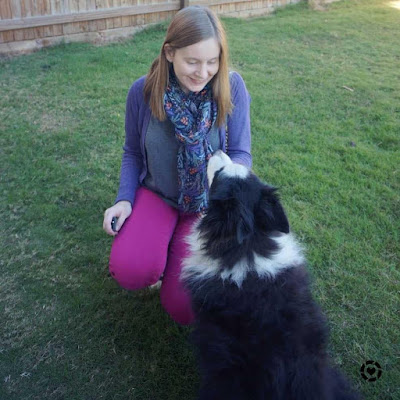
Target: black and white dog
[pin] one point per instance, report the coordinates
(258, 332)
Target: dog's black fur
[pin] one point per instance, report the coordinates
(265, 337)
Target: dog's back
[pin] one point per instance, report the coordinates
(265, 340)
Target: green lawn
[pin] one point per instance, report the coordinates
(325, 90)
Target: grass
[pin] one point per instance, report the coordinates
(325, 92)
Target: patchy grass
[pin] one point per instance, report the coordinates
(325, 120)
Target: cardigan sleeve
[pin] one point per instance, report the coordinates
(132, 158)
(239, 134)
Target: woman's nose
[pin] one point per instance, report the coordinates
(202, 72)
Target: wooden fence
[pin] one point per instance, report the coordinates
(26, 25)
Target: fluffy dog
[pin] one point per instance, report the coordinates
(258, 332)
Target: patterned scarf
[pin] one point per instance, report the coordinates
(193, 115)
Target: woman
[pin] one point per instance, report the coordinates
(176, 117)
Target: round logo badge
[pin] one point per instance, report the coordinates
(371, 371)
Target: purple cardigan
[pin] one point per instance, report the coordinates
(137, 117)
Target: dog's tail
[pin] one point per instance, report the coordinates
(341, 387)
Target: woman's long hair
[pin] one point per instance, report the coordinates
(189, 26)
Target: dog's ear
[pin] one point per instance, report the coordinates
(245, 224)
(271, 214)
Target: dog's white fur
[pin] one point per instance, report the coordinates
(199, 266)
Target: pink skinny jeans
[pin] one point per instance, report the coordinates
(149, 244)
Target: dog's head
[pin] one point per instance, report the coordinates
(243, 211)
(244, 229)
(240, 198)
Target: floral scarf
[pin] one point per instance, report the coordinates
(193, 115)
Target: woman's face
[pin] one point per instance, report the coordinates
(195, 65)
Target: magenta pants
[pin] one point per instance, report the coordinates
(149, 244)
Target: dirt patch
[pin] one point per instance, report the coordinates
(320, 5)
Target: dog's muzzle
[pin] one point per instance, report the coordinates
(215, 163)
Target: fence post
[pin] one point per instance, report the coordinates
(184, 3)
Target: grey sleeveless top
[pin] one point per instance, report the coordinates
(161, 152)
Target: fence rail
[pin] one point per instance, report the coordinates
(34, 22)
(26, 25)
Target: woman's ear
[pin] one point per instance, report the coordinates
(169, 52)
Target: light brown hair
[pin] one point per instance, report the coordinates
(189, 26)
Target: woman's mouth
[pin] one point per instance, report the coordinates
(197, 82)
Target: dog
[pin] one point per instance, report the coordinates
(258, 332)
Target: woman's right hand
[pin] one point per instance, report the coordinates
(122, 210)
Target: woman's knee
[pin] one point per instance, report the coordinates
(133, 274)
